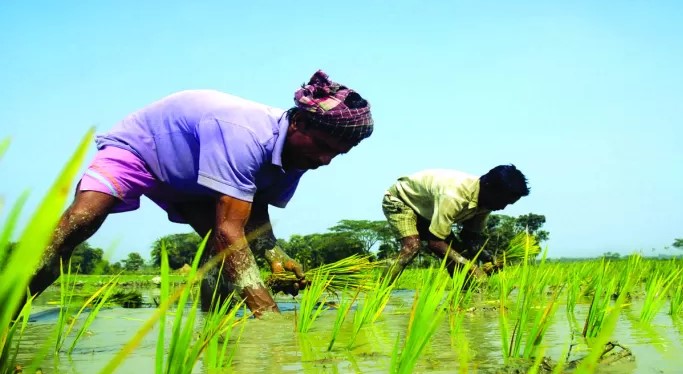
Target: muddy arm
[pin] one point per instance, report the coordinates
(442, 248)
(229, 240)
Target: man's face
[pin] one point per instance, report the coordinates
(497, 201)
(309, 148)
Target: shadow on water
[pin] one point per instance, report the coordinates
(272, 345)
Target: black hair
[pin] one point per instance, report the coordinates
(355, 101)
(292, 112)
(506, 178)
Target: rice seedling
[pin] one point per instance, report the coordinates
(589, 363)
(372, 304)
(463, 284)
(676, 301)
(602, 295)
(540, 324)
(410, 279)
(538, 361)
(182, 353)
(351, 272)
(464, 354)
(634, 268)
(36, 236)
(573, 295)
(66, 321)
(9, 227)
(503, 293)
(426, 315)
(4, 145)
(181, 295)
(657, 291)
(17, 265)
(522, 247)
(217, 354)
(163, 300)
(67, 286)
(13, 336)
(532, 319)
(313, 302)
(343, 309)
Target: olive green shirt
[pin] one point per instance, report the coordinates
(444, 197)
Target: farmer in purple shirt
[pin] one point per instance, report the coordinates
(214, 161)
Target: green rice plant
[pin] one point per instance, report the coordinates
(373, 303)
(164, 293)
(534, 369)
(600, 303)
(66, 322)
(559, 366)
(410, 279)
(13, 336)
(463, 284)
(426, 315)
(219, 353)
(503, 295)
(182, 355)
(313, 302)
(95, 302)
(186, 346)
(657, 290)
(4, 145)
(540, 324)
(464, 354)
(522, 247)
(351, 272)
(533, 320)
(9, 227)
(589, 363)
(18, 264)
(634, 268)
(676, 301)
(67, 287)
(181, 295)
(573, 295)
(343, 309)
(21, 262)
(217, 329)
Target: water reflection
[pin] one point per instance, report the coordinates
(273, 345)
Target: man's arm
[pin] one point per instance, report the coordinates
(443, 247)
(240, 266)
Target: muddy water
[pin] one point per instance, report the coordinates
(272, 346)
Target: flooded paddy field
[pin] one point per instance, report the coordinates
(273, 344)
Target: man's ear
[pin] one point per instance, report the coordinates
(294, 125)
(297, 123)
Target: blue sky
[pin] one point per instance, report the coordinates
(584, 97)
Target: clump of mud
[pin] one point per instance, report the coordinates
(613, 354)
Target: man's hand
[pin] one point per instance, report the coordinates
(280, 262)
(486, 256)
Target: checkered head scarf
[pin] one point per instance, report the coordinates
(334, 108)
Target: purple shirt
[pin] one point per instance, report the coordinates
(204, 142)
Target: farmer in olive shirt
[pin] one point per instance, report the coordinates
(424, 207)
(216, 162)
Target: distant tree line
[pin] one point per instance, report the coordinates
(87, 259)
(346, 238)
